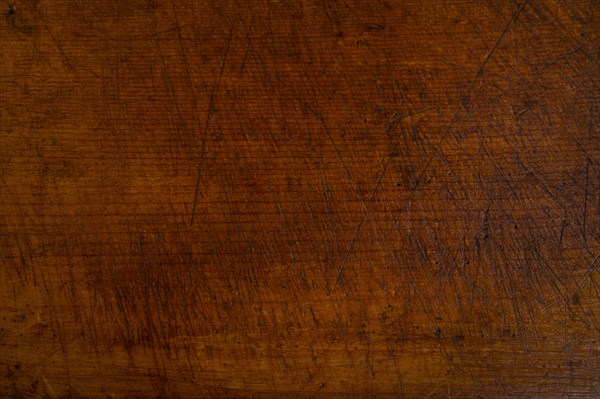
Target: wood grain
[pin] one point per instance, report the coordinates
(254, 199)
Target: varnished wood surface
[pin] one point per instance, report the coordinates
(264, 199)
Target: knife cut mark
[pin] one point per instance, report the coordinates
(585, 201)
(211, 104)
(500, 36)
(363, 219)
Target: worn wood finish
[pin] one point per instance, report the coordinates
(299, 198)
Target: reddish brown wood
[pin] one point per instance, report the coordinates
(299, 199)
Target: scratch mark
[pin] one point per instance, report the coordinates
(211, 104)
(539, 182)
(393, 356)
(348, 251)
(565, 55)
(398, 118)
(59, 46)
(585, 201)
(563, 224)
(436, 148)
(499, 39)
(364, 217)
(590, 269)
(243, 64)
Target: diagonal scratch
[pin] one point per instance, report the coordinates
(362, 221)
(499, 39)
(585, 201)
(211, 104)
(436, 149)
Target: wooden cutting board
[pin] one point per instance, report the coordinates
(254, 199)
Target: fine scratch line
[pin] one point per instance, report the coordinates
(358, 227)
(499, 39)
(211, 104)
(585, 201)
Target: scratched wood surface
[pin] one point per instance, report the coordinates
(299, 199)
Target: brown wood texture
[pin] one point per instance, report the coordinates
(317, 198)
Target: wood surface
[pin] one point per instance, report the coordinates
(317, 198)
